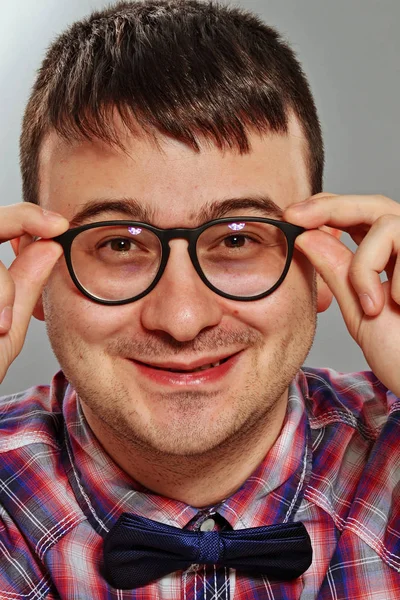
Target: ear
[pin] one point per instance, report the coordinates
(18, 244)
(324, 294)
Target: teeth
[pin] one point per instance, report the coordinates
(202, 368)
(209, 366)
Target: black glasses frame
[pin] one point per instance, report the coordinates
(290, 231)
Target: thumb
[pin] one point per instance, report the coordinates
(30, 272)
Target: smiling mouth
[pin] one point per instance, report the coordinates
(186, 371)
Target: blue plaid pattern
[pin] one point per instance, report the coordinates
(335, 467)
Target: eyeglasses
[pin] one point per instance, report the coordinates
(240, 258)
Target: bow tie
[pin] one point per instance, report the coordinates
(138, 551)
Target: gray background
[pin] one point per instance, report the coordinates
(350, 50)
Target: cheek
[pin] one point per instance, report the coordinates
(295, 290)
(292, 302)
(263, 315)
(70, 314)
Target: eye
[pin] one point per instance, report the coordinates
(236, 241)
(119, 244)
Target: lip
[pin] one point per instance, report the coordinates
(189, 366)
(158, 375)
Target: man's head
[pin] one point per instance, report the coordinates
(174, 109)
(188, 69)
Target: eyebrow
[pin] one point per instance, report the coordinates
(133, 209)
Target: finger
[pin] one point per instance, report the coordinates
(17, 219)
(30, 272)
(371, 258)
(7, 296)
(342, 212)
(332, 260)
(395, 281)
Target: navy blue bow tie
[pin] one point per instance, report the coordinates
(138, 550)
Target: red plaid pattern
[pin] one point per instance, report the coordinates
(335, 467)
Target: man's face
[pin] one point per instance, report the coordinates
(135, 366)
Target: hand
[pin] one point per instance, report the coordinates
(22, 284)
(370, 308)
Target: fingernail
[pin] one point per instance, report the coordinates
(367, 304)
(52, 216)
(6, 318)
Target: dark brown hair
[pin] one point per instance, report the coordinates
(185, 68)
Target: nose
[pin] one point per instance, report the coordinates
(180, 304)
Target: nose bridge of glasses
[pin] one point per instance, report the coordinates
(175, 251)
(179, 233)
(183, 233)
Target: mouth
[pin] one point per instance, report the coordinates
(204, 367)
(195, 373)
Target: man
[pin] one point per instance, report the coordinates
(167, 151)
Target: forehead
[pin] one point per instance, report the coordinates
(171, 183)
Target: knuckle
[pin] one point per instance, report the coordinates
(360, 276)
(356, 271)
(386, 221)
(390, 206)
(382, 198)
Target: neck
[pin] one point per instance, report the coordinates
(201, 480)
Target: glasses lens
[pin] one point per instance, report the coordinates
(115, 263)
(242, 258)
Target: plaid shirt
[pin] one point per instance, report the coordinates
(335, 467)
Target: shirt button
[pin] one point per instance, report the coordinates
(207, 525)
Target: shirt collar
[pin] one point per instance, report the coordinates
(270, 495)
